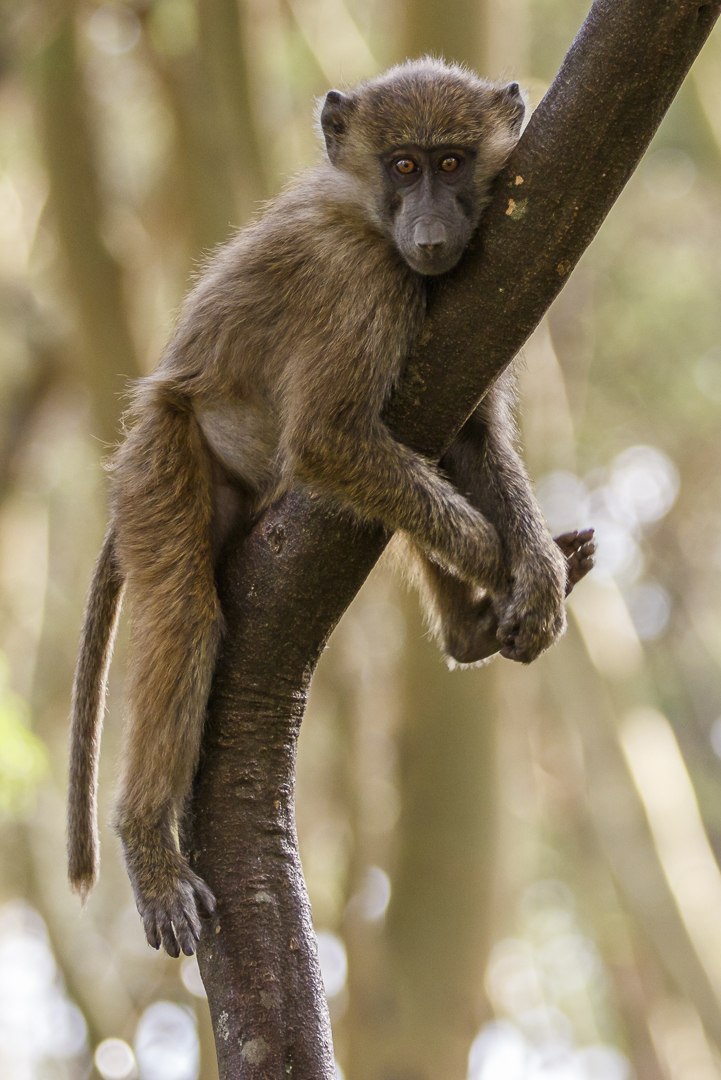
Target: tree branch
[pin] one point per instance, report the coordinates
(287, 587)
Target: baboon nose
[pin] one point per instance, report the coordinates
(429, 234)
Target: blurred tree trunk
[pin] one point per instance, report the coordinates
(416, 985)
(548, 445)
(223, 51)
(107, 359)
(490, 36)
(623, 830)
(545, 789)
(94, 277)
(575, 746)
(218, 152)
(457, 32)
(508, 34)
(438, 921)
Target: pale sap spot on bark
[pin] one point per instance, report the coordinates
(255, 1051)
(294, 944)
(515, 209)
(518, 180)
(223, 1030)
(263, 897)
(563, 268)
(276, 538)
(217, 929)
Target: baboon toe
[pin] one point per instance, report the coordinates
(150, 925)
(204, 898)
(579, 549)
(187, 930)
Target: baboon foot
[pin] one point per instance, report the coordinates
(170, 897)
(579, 549)
(473, 638)
(171, 914)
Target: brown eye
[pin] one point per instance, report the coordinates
(450, 164)
(405, 166)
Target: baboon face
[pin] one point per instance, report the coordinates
(423, 143)
(432, 204)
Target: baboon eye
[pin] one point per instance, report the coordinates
(405, 166)
(450, 164)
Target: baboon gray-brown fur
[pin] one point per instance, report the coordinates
(283, 357)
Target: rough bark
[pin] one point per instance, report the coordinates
(284, 591)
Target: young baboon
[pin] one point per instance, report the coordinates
(282, 359)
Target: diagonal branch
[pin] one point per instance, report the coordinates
(286, 588)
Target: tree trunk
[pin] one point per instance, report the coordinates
(288, 585)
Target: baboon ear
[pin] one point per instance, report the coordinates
(512, 97)
(334, 118)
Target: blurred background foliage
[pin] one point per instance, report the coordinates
(514, 872)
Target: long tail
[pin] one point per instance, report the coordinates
(96, 648)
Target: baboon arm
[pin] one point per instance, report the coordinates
(384, 480)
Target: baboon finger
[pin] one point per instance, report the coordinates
(165, 926)
(151, 930)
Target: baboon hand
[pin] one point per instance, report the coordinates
(473, 635)
(534, 615)
(171, 908)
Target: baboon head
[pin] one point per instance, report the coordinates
(423, 143)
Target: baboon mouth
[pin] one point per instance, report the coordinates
(436, 261)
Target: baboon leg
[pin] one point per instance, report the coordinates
(486, 468)
(164, 511)
(168, 689)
